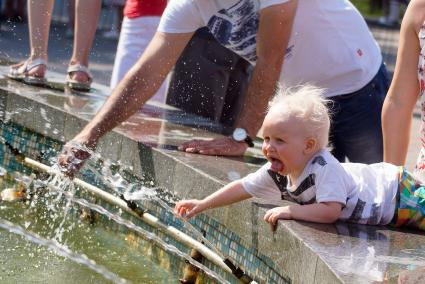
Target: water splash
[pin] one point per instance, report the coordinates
(117, 183)
(135, 191)
(146, 234)
(60, 187)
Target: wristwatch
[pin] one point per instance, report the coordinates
(240, 135)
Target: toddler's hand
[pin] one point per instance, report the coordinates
(277, 213)
(188, 208)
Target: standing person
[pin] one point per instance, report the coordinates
(301, 169)
(141, 19)
(33, 70)
(407, 85)
(287, 42)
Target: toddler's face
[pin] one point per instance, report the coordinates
(284, 145)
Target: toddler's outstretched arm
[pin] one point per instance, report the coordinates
(231, 193)
(325, 212)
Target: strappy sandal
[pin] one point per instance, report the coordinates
(77, 85)
(21, 73)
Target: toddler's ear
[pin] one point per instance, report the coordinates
(310, 145)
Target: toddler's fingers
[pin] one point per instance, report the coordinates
(191, 213)
(267, 216)
(271, 219)
(183, 212)
(188, 215)
(177, 208)
(274, 219)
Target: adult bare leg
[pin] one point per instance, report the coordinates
(39, 17)
(86, 16)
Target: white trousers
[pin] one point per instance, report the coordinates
(135, 35)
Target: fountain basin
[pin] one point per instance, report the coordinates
(299, 252)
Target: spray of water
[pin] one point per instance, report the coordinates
(117, 183)
(60, 187)
(143, 233)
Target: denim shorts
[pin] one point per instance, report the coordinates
(356, 132)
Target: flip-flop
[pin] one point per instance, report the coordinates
(21, 73)
(77, 85)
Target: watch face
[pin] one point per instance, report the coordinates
(239, 134)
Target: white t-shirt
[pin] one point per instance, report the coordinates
(367, 192)
(330, 44)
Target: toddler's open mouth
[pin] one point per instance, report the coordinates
(276, 165)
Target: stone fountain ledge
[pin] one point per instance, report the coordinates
(304, 252)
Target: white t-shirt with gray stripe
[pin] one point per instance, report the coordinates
(367, 192)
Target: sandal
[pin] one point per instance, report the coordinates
(21, 73)
(77, 85)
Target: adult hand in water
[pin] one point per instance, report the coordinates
(73, 156)
(218, 147)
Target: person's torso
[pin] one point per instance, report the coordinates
(330, 45)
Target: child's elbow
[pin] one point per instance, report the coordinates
(332, 213)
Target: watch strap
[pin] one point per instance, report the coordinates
(248, 140)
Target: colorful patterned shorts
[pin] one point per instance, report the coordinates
(410, 206)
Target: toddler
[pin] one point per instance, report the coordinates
(302, 170)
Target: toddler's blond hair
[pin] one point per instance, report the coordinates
(307, 104)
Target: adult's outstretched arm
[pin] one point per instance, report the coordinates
(139, 85)
(272, 39)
